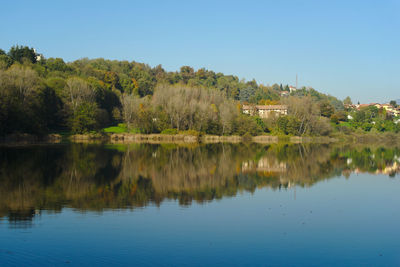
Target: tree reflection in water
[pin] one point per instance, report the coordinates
(97, 177)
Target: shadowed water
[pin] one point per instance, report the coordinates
(217, 204)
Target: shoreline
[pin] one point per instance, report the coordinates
(25, 139)
(126, 138)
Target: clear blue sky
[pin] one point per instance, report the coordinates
(338, 47)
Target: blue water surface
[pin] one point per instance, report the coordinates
(341, 222)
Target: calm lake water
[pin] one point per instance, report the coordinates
(199, 205)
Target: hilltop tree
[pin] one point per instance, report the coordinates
(187, 73)
(347, 101)
(18, 53)
(56, 64)
(112, 80)
(246, 93)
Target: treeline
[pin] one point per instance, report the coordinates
(40, 96)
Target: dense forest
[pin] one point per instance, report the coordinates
(41, 95)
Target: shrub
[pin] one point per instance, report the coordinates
(282, 124)
(247, 124)
(335, 118)
(84, 119)
(322, 127)
(366, 126)
(261, 124)
(136, 131)
(169, 131)
(213, 127)
(344, 129)
(293, 126)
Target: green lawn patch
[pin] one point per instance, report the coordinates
(345, 123)
(121, 128)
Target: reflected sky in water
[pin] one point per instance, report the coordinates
(151, 205)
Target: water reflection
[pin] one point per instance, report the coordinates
(97, 177)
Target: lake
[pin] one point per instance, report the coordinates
(199, 205)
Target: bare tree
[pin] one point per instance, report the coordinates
(130, 105)
(23, 79)
(77, 91)
(138, 113)
(306, 111)
(227, 114)
(187, 107)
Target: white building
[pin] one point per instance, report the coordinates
(264, 111)
(38, 56)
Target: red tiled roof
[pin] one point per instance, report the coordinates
(265, 107)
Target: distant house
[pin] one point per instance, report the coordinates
(284, 93)
(292, 89)
(350, 106)
(39, 57)
(265, 111)
(360, 106)
(389, 108)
